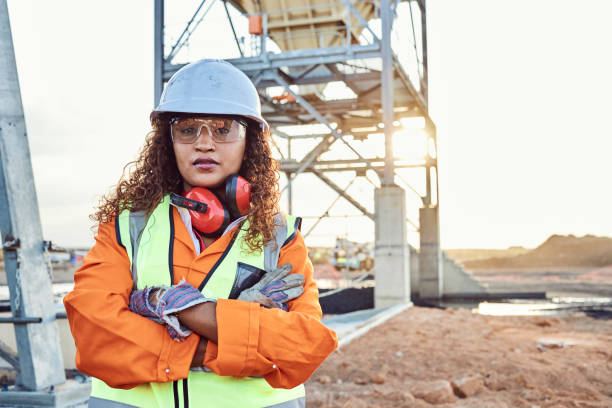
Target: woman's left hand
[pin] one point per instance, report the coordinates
(161, 304)
(276, 288)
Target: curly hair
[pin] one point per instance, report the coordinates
(146, 180)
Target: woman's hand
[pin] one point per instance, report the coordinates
(276, 288)
(161, 304)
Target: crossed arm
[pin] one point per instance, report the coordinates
(232, 337)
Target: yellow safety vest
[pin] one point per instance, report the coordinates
(149, 244)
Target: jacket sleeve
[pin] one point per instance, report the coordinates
(283, 347)
(113, 344)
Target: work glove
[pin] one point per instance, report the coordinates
(161, 303)
(276, 288)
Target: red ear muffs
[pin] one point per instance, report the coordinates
(208, 214)
(237, 196)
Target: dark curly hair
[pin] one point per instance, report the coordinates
(154, 174)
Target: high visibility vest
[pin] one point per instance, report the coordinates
(149, 245)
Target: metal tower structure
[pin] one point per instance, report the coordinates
(41, 380)
(302, 46)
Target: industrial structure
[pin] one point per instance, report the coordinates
(304, 45)
(41, 380)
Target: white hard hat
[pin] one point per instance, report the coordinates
(211, 86)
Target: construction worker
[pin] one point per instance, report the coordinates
(198, 292)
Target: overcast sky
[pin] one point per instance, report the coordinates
(520, 92)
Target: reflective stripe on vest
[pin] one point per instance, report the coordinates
(149, 244)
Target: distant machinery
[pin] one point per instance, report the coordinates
(317, 42)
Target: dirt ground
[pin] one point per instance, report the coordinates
(454, 358)
(555, 281)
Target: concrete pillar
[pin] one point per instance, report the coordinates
(430, 257)
(391, 262)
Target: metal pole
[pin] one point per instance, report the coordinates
(387, 89)
(158, 53)
(40, 355)
(430, 132)
(289, 181)
(427, 198)
(264, 37)
(425, 89)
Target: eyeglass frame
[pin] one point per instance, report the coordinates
(241, 122)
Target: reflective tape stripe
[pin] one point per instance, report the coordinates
(95, 402)
(272, 248)
(138, 222)
(296, 403)
(294, 224)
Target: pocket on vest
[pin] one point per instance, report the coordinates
(246, 276)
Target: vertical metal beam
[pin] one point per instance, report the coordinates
(289, 182)
(158, 52)
(425, 89)
(430, 131)
(40, 356)
(387, 89)
(264, 37)
(427, 198)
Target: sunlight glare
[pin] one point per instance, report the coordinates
(410, 144)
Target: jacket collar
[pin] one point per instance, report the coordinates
(182, 234)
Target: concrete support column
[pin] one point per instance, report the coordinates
(430, 256)
(392, 255)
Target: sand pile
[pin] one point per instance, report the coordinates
(445, 358)
(557, 250)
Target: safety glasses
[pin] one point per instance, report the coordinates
(221, 130)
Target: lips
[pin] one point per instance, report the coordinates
(205, 160)
(205, 163)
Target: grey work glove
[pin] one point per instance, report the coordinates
(276, 288)
(161, 303)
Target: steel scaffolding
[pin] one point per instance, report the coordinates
(318, 43)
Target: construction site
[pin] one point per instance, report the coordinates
(344, 88)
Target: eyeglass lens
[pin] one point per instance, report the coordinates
(221, 130)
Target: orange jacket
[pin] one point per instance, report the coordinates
(125, 349)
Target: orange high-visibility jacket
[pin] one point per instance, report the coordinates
(125, 349)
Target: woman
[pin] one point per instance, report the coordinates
(167, 310)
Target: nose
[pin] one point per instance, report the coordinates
(205, 140)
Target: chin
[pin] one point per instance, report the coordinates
(208, 182)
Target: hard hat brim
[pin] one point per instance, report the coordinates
(210, 106)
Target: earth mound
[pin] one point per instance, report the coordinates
(557, 250)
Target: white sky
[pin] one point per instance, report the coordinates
(520, 92)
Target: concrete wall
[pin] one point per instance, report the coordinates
(456, 280)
